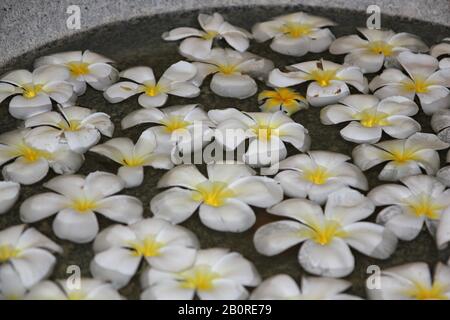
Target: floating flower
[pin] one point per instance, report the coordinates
(175, 81)
(423, 80)
(442, 49)
(440, 122)
(369, 117)
(185, 127)
(282, 99)
(268, 132)
(84, 67)
(379, 47)
(444, 173)
(34, 92)
(217, 274)
(422, 200)
(86, 289)
(317, 174)
(80, 128)
(28, 252)
(406, 157)
(34, 157)
(134, 157)
(233, 72)
(11, 286)
(74, 202)
(9, 193)
(283, 287)
(413, 281)
(295, 34)
(329, 80)
(326, 235)
(223, 199)
(120, 250)
(197, 43)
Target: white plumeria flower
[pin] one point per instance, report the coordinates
(442, 49)
(282, 99)
(185, 127)
(406, 157)
(413, 281)
(268, 132)
(380, 47)
(422, 200)
(317, 174)
(197, 43)
(84, 67)
(74, 201)
(329, 80)
(295, 34)
(176, 80)
(423, 80)
(223, 199)
(217, 274)
(34, 157)
(134, 157)
(28, 252)
(326, 235)
(11, 286)
(369, 117)
(120, 250)
(233, 72)
(283, 287)
(89, 289)
(9, 193)
(80, 128)
(35, 91)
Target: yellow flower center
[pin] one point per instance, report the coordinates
(265, 131)
(210, 35)
(380, 47)
(227, 69)
(424, 207)
(324, 233)
(8, 252)
(201, 278)
(78, 68)
(71, 125)
(296, 30)
(372, 119)
(418, 85)
(425, 292)
(323, 77)
(174, 123)
(29, 153)
(30, 91)
(147, 248)
(318, 175)
(280, 96)
(133, 161)
(76, 295)
(152, 90)
(402, 156)
(83, 205)
(213, 193)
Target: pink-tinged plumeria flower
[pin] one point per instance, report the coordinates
(423, 79)
(369, 117)
(326, 234)
(75, 201)
(407, 157)
(380, 47)
(9, 193)
(442, 49)
(85, 68)
(197, 43)
(328, 80)
(295, 34)
(217, 274)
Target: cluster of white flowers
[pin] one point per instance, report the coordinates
(324, 198)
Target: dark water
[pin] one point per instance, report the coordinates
(138, 42)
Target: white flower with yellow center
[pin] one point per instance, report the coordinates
(176, 80)
(442, 49)
(84, 67)
(9, 193)
(80, 128)
(233, 72)
(284, 287)
(197, 43)
(33, 157)
(422, 200)
(34, 91)
(74, 201)
(326, 235)
(223, 199)
(380, 47)
(28, 252)
(282, 99)
(134, 157)
(268, 132)
(317, 174)
(423, 80)
(328, 80)
(217, 274)
(186, 128)
(119, 250)
(369, 117)
(295, 34)
(405, 158)
(86, 289)
(413, 281)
